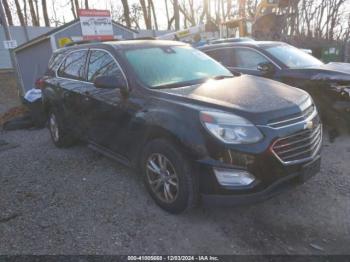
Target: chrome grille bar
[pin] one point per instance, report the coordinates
(289, 150)
(291, 120)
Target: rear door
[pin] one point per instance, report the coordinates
(72, 85)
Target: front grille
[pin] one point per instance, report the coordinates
(292, 119)
(298, 147)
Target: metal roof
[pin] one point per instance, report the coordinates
(58, 29)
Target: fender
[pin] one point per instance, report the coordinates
(166, 123)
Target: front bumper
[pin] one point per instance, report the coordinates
(252, 195)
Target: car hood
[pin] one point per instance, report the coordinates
(332, 71)
(247, 94)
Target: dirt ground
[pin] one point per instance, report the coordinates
(8, 91)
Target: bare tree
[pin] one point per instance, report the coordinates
(176, 14)
(187, 10)
(45, 14)
(146, 14)
(24, 10)
(151, 4)
(37, 12)
(126, 13)
(77, 7)
(21, 19)
(33, 13)
(7, 12)
(73, 9)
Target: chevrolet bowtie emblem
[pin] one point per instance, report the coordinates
(309, 125)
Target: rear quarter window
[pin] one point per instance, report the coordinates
(54, 63)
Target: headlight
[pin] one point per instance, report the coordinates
(229, 128)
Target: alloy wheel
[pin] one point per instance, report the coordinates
(162, 178)
(54, 127)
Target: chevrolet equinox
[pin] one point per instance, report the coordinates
(196, 131)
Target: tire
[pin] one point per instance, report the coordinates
(164, 166)
(59, 135)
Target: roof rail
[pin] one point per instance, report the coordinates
(144, 38)
(81, 42)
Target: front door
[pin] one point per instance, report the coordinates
(105, 108)
(240, 59)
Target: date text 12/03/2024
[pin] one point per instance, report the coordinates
(173, 258)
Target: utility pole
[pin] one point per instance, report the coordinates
(12, 54)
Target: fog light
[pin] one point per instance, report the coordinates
(233, 177)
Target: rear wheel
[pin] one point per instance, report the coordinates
(168, 176)
(60, 136)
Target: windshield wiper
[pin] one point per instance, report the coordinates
(180, 84)
(219, 77)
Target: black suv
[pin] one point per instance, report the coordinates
(195, 131)
(328, 84)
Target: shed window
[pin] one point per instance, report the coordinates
(74, 65)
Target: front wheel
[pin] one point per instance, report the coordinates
(168, 176)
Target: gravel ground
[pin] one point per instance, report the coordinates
(75, 201)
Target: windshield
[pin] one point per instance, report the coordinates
(173, 66)
(292, 57)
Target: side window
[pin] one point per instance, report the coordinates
(102, 64)
(224, 56)
(248, 58)
(54, 63)
(74, 65)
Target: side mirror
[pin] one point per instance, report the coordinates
(266, 68)
(108, 82)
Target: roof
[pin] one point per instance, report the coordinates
(125, 44)
(144, 43)
(57, 29)
(247, 43)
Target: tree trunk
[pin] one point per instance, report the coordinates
(205, 12)
(169, 21)
(32, 13)
(22, 21)
(126, 12)
(8, 13)
(73, 9)
(154, 14)
(228, 8)
(76, 6)
(86, 4)
(37, 12)
(46, 17)
(176, 14)
(24, 10)
(146, 16)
